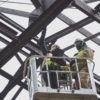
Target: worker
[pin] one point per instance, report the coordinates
(83, 51)
(53, 63)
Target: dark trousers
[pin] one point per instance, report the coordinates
(53, 76)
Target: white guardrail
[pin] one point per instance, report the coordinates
(36, 82)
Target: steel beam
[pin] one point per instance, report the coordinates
(19, 59)
(83, 31)
(87, 10)
(10, 34)
(92, 37)
(11, 22)
(36, 3)
(8, 87)
(18, 75)
(98, 88)
(69, 29)
(8, 52)
(14, 12)
(96, 77)
(89, 1)
(9, 77)
(4, 41)
(33, 48)
(3, 27)
(7, 31)
(18, 92)
(86, 39)
(14, 24)
(46, 3)
(68, 21)
(7, 42)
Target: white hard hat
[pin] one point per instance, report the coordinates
(54, 47)
(78, 40)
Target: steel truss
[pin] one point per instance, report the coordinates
(41, 21)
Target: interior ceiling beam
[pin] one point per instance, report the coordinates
(41, 22)
(14, 12)
(17, 12)
(4, 41)
(86, 9)
(7, 42)
(27, 14)
(92, 37)
(8, 76)
(95, 40)
(68, 21)
(11, 84)
(14, 24)
(97, 77)
(31, 46)
(69, 29)
(7, 89)
(86, 39)
(18, 77)
(11, 22)
(9, 33)
(10, 30)
(36, 3)
(18, 92)
(97, 88)
(89, 1)
(19, 58)
(83, 31)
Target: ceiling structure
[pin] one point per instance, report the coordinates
(23, 41)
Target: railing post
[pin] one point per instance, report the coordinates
(34, 81)
(58, 85)
(90, 67)
(48, 76)
(78, 74)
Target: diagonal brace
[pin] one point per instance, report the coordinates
(87, 10)
(34, 29)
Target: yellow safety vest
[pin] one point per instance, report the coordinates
(49, 62)
(86, 52)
